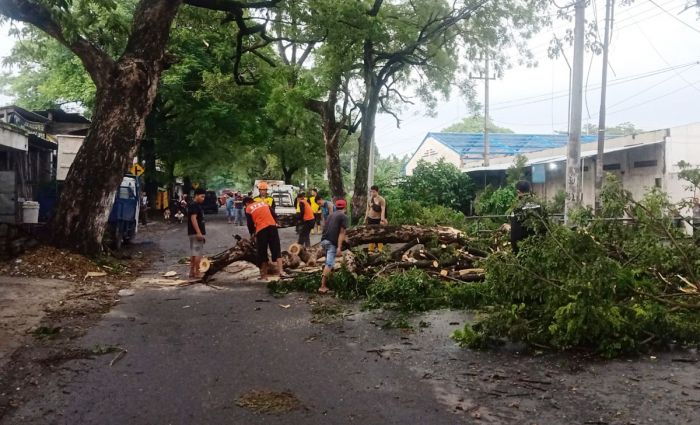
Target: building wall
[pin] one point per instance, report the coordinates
(12, 139)
(432, 151)
(67, 149)
(683, 145)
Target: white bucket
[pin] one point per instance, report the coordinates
(30, 212)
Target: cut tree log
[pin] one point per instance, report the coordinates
(288, 220)
(361, 235)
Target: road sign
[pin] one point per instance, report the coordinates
(136, 169)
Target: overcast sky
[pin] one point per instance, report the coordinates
(647, 42)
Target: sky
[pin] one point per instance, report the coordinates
(646, 40)
(653, 80)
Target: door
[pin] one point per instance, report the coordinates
(7, 197)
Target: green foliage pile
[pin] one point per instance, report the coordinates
(406, 291)
(608, 286)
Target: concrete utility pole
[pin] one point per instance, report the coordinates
(573, 158)
(609, 13)
(370, 171)
(487, 119)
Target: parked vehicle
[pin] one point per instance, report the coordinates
(211, 203)
(122, 224)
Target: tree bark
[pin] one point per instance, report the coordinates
(117, 129)
(369, 115)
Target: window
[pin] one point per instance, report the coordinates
(642, 164)
(657, 182)
(611, 167)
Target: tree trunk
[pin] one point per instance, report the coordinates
(126, 91)
(331, 138)
(359, 197)
(369, 115)
(287, 175)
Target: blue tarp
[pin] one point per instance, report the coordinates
(471, 145)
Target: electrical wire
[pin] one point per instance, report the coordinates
(675, 17)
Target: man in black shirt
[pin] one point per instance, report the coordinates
(525, 210)
(332, 240)
(196, 231)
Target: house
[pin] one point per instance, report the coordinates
(641, 161)
(30, 143)
(462, 149)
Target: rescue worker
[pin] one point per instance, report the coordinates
(264, 196)
(316, 208)
(262, 225)
(308, 220)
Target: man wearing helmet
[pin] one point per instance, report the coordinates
(264, 196)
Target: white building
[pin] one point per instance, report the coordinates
(642, 161)
(461, 149)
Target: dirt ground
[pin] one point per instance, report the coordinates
(199, 354)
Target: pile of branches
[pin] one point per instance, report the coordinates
(608, 285)
(443, 252)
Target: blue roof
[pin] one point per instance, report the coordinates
(471, 145)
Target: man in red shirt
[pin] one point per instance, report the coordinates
(262, 224)
(308, 218)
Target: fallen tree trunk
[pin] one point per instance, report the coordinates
(361, 235)
(245, 249)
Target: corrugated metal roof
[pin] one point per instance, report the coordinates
(471, 145)
(558, 158)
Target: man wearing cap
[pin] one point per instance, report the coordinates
(332, 240)
(262, 224)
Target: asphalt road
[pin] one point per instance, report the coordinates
(193, 351)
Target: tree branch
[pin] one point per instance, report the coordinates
(97, 62)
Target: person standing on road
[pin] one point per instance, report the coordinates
(196, 231)
(327, 209)
(238, 207)
(332, 241)
(316, 208)
(308, 220)
(262, 225)
(229, 207)
(376, 214)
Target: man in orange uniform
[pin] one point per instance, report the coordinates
(308, 219)
(262, 223)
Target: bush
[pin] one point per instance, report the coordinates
(438, 184)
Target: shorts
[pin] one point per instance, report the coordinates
(268, 237)
(374, 220)
(331, 251)
(317, 217)
(196, 246)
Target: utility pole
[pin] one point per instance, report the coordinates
(370, 171)
(573, 151)
(609, 13)
(487, 119)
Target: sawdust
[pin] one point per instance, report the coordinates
(269, 402)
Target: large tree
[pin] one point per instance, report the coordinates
(126, 82)
(417, 44)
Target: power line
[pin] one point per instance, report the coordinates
(675, 17)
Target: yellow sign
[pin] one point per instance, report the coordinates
(136, 169)
(195, 185)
